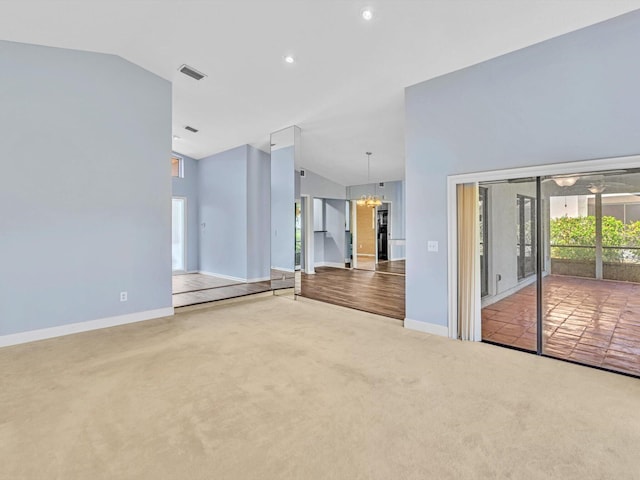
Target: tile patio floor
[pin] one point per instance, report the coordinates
(596, 322)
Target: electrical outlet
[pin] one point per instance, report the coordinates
(123, 296)
(432, 246)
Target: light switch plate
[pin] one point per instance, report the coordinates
(432, 246)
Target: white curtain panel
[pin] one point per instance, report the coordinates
(469, 326)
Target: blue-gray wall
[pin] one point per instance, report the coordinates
(187, 187)
(334, 222)
(85, 190)
(329, 232)
(222, 206)
(316, 185)
(571, 98)
(282, 209)
(258, 214)
(228, 198)
(318, 231)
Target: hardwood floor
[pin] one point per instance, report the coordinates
(391, 266)
(219, 293)
(192, 282)
(385, 266)
(366, 262)
(196, 288)
(368, 291)
(359, 289)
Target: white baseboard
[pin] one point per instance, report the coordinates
(330, 264)
(488, 300)
(258, 279)
(71, 328)
(288, 270)
(440, 330)
(334, 264)
(235, 279)
(226, 277)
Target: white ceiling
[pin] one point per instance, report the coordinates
(345, 90)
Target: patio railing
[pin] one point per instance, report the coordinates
(621, 254)
(618, 263)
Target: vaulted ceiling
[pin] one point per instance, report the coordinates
(345, 88)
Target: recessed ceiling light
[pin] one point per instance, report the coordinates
(367, 14)
(176, 137)
(289, 59)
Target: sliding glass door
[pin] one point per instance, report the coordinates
(591, 293)
(507, 238)
(560, 266)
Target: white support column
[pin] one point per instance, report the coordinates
(309, 237)
(598, 236)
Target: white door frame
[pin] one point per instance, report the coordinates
(374, 218)
(184, 235)
(566, 168)
(388, 230)
(354, 234)
(309, 236)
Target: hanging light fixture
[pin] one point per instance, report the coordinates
(596, 188)
(563, 181)
(369, 200)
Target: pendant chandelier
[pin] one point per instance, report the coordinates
(369, 200)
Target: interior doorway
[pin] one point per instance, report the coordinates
(373, 239)
(366, 245)
(382, 232)
(341, 231)
(178, 234)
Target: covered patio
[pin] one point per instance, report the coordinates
(596, 322)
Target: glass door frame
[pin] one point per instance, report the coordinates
(538, 171)
(534, 208)
(483, 193)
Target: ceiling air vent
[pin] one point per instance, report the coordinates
(191, 129)
(191, 72)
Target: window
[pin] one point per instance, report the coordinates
(177, 166)
(526, 230)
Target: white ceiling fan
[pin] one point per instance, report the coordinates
(594, 183)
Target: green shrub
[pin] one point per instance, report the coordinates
(581, 232)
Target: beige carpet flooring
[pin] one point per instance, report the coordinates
(277, 389)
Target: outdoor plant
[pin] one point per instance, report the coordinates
(575, 238)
